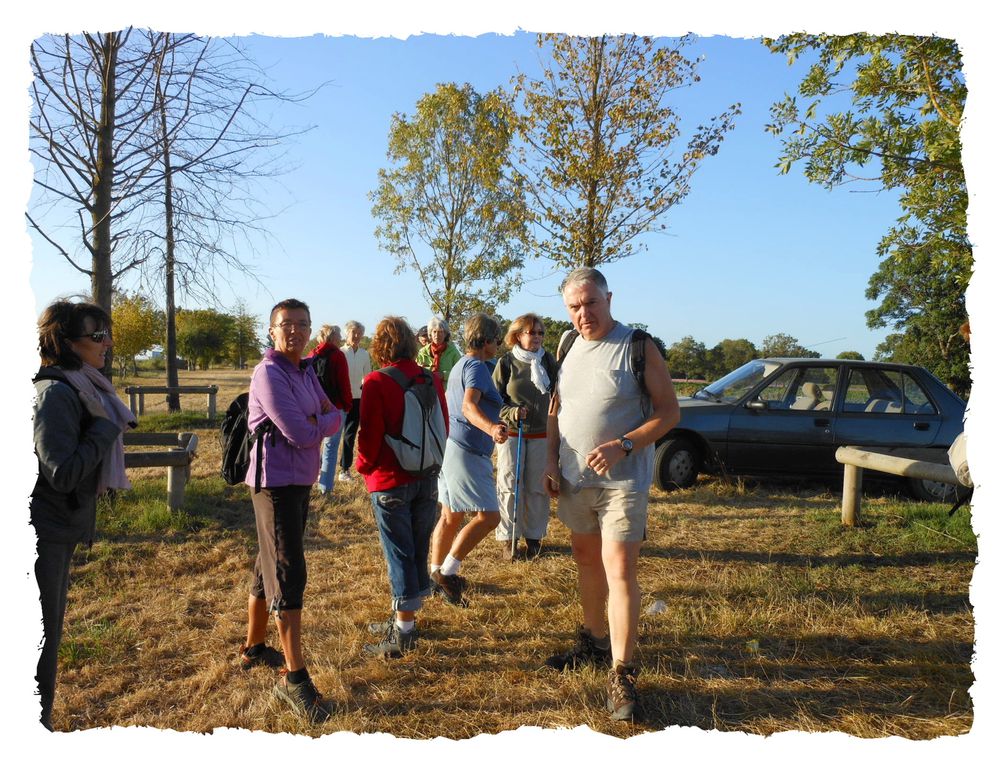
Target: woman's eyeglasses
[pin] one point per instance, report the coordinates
(536, 332)
(286, 326)
(98, 336)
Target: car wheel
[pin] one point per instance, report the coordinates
(676, 464)
(933, 491)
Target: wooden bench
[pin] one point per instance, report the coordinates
(911, 463)
(177, 459)
(138, 391)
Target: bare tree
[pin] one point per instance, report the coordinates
(213, 153)
(89, 118)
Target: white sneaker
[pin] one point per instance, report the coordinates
(344, 476)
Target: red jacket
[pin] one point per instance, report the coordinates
(338, 373)
(382, 407)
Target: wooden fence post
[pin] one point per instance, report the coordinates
(853, 478)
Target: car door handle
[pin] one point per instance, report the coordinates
(921, 425)
(821, 422)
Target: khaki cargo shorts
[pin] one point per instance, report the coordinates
(617, 514)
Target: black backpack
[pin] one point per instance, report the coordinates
(637, 354)
(320, 364)
(420, 448)
(236, 443)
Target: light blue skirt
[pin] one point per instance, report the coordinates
(466, 482)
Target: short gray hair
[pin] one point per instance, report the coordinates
(352, 325)
(325, 333)
(436, 322)
(583, 275)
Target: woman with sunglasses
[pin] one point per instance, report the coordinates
(525, 378)
(466, 481)
(78, 425)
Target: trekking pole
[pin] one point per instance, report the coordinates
(517, 490)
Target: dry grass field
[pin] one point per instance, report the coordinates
(762, 614)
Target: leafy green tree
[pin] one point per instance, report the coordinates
(446, 208)
(855, 355)
(244, 343)
(599, 152)
(137, 326)
(728, 355)
(687, 359)
(786, 346)
(895, 105)
(203, 335)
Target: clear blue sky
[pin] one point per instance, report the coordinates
(749, 253)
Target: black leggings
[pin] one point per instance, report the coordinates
(350, 436)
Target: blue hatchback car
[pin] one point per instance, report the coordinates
(787, 417)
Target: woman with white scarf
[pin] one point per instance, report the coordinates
(525, 378)
(78, 425)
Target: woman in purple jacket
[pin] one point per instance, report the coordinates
(289, 395)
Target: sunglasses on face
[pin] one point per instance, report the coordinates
(98, 336)
(535, 332)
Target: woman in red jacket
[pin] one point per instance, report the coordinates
(336, 384)
(405, 505)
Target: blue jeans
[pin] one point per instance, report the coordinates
(330, 450)
(406, 516)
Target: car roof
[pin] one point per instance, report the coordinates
(851, 362)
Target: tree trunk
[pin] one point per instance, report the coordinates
(101, 188)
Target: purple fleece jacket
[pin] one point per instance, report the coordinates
(288, 395)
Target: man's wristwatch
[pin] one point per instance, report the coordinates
(626, 445)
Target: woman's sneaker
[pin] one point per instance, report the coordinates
(394, 643)
(586, 650)
(303, 698)
(622, 698)
(450, 588)
(264, 656)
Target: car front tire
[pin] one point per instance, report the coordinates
(676, 464)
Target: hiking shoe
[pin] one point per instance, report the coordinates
(450, 588)
(622, 698)
(303, 698)
(533, 548)
(344, 476)
(585, 651)
(509, 555)
(266, 656)
(395, 641)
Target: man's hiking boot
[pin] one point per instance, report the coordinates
(264, 656)
(622, 697)
(394, 642)
(585, 651)
(303, 698)
(533, 548)
(450, 588)
(509, 554)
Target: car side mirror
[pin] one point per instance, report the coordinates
(756, 404)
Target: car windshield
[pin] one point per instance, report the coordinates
(738, 383)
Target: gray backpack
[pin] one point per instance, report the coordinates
(420, 447)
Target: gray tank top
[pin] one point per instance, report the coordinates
(600, 400)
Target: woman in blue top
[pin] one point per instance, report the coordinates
(466, 482)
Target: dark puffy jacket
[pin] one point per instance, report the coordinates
(69, 444)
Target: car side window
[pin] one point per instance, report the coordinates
(775, 394)
(885, 392)
(814, 389)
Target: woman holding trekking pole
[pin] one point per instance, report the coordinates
(525, 378)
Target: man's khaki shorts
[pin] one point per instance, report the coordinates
(617, 514)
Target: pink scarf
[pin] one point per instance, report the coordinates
(113, 464)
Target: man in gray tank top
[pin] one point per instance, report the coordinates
(601, 432)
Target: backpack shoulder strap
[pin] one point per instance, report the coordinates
(638, 357)
(397, 374)
(565, 343)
